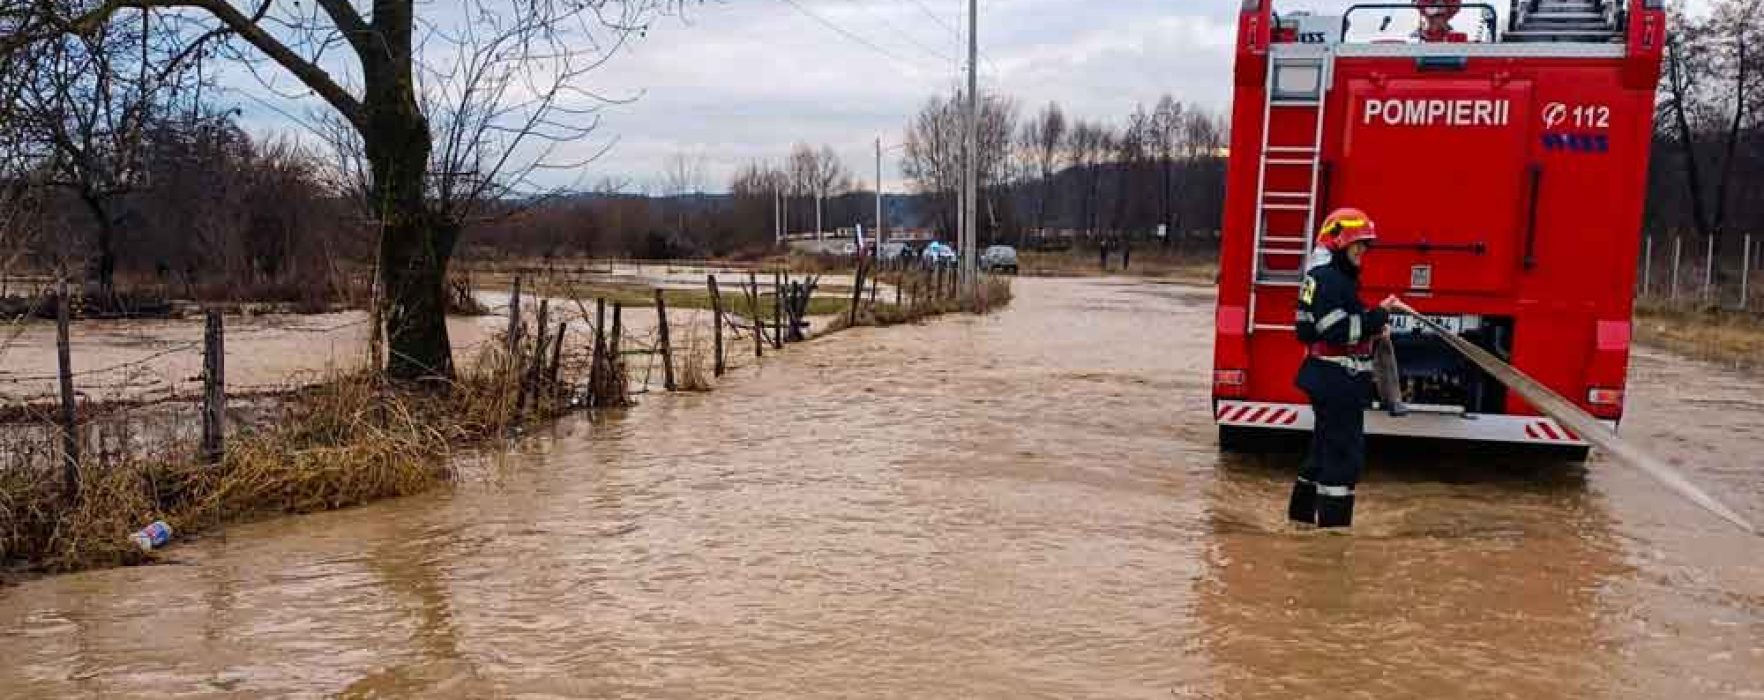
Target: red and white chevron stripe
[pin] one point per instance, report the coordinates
(1487, 427)
(1549, 431)
(1256, 414)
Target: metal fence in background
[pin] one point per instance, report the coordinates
(1694, 271)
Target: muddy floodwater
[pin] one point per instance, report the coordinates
(1024, 505)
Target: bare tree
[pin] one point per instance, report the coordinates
(1710, 104)
(755, 188)
(682, 177)
(83, 104)
(817, 173)
(934, 151)
(1088, 147)
(1166, 139)
(1041, 142)
(534, 53)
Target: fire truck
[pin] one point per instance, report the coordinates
(1505, 163)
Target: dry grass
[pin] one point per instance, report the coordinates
(1729, 337)
(992, 293)
(348, 441)
(1197, 266)
(693, 375)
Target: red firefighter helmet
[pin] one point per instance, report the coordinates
(1345, 227)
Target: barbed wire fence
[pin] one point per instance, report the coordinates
(154, 405)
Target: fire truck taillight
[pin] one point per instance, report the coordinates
(1230, 382)
(1609, 398)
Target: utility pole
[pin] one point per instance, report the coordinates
(971, 166)
(777, 217)
(878, 197)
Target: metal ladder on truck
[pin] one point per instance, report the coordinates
(1586, 21)
(1299, 78)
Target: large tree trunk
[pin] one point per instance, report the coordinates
(415, 247)
(106, 240)
(1686, 139)
(416, 242)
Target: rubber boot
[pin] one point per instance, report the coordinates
(1396, 409)
(1303, 506)
(1335, 511)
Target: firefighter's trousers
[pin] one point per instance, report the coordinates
(1324, 493)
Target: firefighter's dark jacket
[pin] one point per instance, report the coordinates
(1331, 319)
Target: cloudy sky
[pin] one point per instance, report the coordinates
(737, 81)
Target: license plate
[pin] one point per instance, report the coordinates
(1403, 323)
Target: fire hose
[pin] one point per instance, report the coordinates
(1584, 424)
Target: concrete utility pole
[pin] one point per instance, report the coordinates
(878, 197)
(971, 167)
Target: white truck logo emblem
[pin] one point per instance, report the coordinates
(1554, 115)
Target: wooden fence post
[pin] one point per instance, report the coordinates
(514, 322)
(667, 350)
(598, 354)
(777, 311)
(897, 286)
(759, 327)
(529, 385)
(857, 294)
(556, 359)
(214, 388)
(717, 323)
(615, 357)
(70, 437)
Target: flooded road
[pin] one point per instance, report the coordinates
(1027, 504)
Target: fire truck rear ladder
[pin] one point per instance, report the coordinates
(1309, 71)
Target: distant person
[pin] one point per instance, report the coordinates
(1126, 254)
(1338, 331)
(1103, 253)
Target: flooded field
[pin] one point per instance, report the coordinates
(1029, 504)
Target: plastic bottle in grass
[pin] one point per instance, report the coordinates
(152, 536)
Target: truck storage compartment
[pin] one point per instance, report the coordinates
(1444, 164)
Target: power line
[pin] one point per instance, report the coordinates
(937, 19)
(903, 33)
(845, 33)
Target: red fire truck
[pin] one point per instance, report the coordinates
(1505, 164)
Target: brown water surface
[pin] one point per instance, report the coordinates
(1027, 504)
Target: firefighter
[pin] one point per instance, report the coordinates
(1386, 376)
(1338, 331)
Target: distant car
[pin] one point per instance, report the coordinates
(849, 249)
(937, 254)
(999, 258)
(892, 251)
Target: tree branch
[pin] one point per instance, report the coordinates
(247, 28)
(350, 23)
